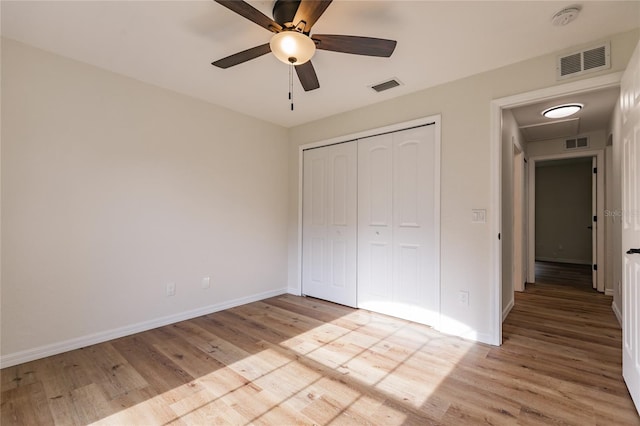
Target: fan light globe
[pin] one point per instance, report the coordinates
(292, 47)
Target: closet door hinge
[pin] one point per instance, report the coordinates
(595, 267)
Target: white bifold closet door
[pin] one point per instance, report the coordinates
(329, 223)
(398, 229)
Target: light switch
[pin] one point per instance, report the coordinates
(478, 216)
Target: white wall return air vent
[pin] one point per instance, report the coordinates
(585, 61)
(577, 143)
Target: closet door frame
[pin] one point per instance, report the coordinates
(434, 120)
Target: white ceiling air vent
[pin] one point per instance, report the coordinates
(386, 85)
(585, 61)
(577, 143)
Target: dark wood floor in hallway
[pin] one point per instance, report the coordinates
(569, 274)
(290, 360)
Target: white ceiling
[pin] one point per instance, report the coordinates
(595, 115)
(172, 44)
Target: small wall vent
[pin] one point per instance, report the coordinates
(585, 61)
(386, 85)
(576, 143)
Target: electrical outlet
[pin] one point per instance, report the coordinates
(171, 289)
(206, 282)
(463, 298)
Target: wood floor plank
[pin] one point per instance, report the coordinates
(110, 370)
(292, 360)
(25, 405)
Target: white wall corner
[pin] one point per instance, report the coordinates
(103, 336)
(616, 311)
(294, 290)
(507, 309)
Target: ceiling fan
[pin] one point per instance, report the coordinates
(292, 43)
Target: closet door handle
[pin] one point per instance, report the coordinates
(634, 251)
(589, 227)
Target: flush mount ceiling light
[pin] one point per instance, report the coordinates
(565, 16)
(561, 111)
(292, 47)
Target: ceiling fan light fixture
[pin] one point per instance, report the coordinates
(292, 47)
(561, 111)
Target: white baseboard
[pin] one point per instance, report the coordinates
(454, 328)
(295, 291)
(617, 312)
(563, 260)
(103, 336)
(507, 309)
(608, 292)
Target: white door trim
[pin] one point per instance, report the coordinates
(496, 107)
(436, 119)
(600, 205)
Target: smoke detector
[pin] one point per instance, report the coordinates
(565, 16)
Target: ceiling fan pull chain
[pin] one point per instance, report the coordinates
(291, 85)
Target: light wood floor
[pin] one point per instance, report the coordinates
(291, 360)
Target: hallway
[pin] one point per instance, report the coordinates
(566, 336)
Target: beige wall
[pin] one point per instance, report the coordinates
(465, 183)
(112, 188)
(563, 211)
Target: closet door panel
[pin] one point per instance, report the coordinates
(396, 225)
(314, 230)
(329, 223)
(416, 288)
(375, 219)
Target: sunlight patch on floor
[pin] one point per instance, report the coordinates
(390, 362)
(371, 369)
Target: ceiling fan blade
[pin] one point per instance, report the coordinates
(307, 75)
(251, 13)
(244, 56)
(309, 11)
(368, 46)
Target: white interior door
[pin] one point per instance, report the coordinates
(398, 244)
(630, 112)
(594, 224)
(329, 218)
